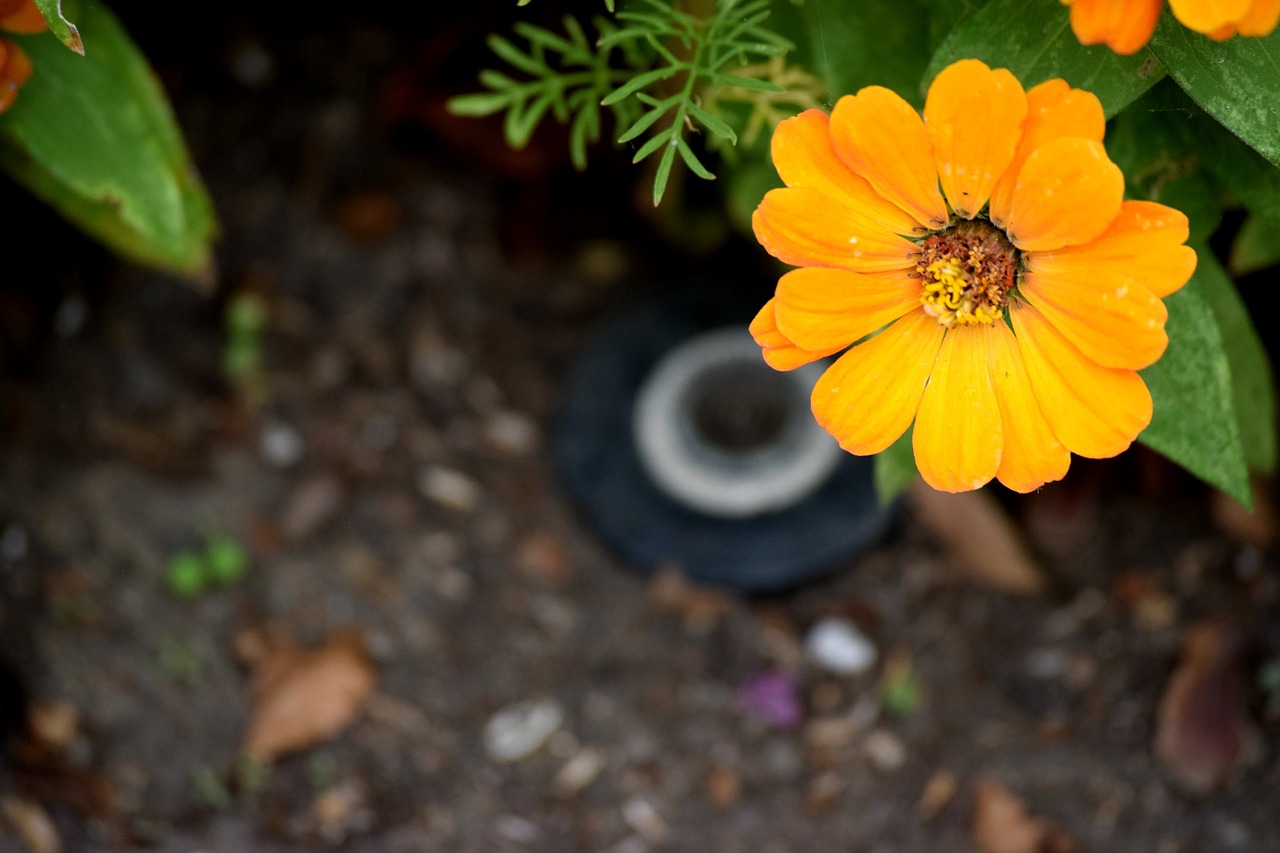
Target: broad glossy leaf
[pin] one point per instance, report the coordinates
(1149, 147)
(1256, 246)
(1033, 39)
(868, 42)
(95, 137)
(59, 25)
(1236, 81)
(1195, 422)
(1252, 384)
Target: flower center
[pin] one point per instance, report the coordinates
(966, 272)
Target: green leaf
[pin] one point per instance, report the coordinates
(654, 143)
(1236, 81)
(515, 57)
(1252, 384)
(868, 42)
(1149, 148)
(647, 120)
(691, 160)
(478, 104)
(1256, 247)
(753, 84)
(664, 169)
(1033, 39)
(639, 82)
(895, 469)
(59, 25)
(95, 138)
(1195, 422)
(713, 123)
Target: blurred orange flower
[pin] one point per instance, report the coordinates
(998, 290)
(1125, 26)
(16, 16)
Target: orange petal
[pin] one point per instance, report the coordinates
(1125, 26)
(803, 227)
(958, 435)
(1205, 16)
(1094, 411)
(1054, 111)
(1143, 244)
(869, 396)
(1032, 454)
(974, 117)
(1261, 19)
(804, 157)
(818, 308)
(884, 140)
(27, 20)
(1120, 326)
(779, 353)
(1067, 193)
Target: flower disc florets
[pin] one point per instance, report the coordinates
(966, 272)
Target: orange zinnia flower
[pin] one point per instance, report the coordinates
(1018, 293)
(1126, 26)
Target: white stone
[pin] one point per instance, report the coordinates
(520, 730)
(838, 646)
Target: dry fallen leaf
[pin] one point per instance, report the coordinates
(1203, 736)
(305, 696)
(980, 537)
(1001, 825)
(1257, 528)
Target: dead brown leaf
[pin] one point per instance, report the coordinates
(1257, 528)
(305, 696)
(1001, 825)
(1203, 736)
(980, 537)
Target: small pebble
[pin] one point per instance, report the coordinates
(517, 829)
(511, 432)
(885, 750)
(641, 816)
(310, 506)
(520, 730)
(281, 445)
(579, 772)
(449, 488)
(838, 646)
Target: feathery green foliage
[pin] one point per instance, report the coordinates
(662, 72)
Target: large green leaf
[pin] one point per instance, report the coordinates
(1149, 147)
(1256, 246)
(1236, 81)
(59, 25)
(1195, 422)
(95, 138)
(1252, 385)
(1033, 39)
(869, 42)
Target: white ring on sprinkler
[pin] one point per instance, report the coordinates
(703, 477)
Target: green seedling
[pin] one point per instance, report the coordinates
(222, 561)
(899, 688)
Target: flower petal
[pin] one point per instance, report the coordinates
(1115, 324)
(1094, 411)
(1205, 16)
(1261, 18)
(1143, 244)
(804, 157)
(958, 435)
(1054, 111)
(818, 308)
(1067, 193)
(779, 352)
(974, 118)
(804, 227)
(1032, 454)
(1124, 26)
(884, 140)
(869, 396)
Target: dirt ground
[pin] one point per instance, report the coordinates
(387, 470)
